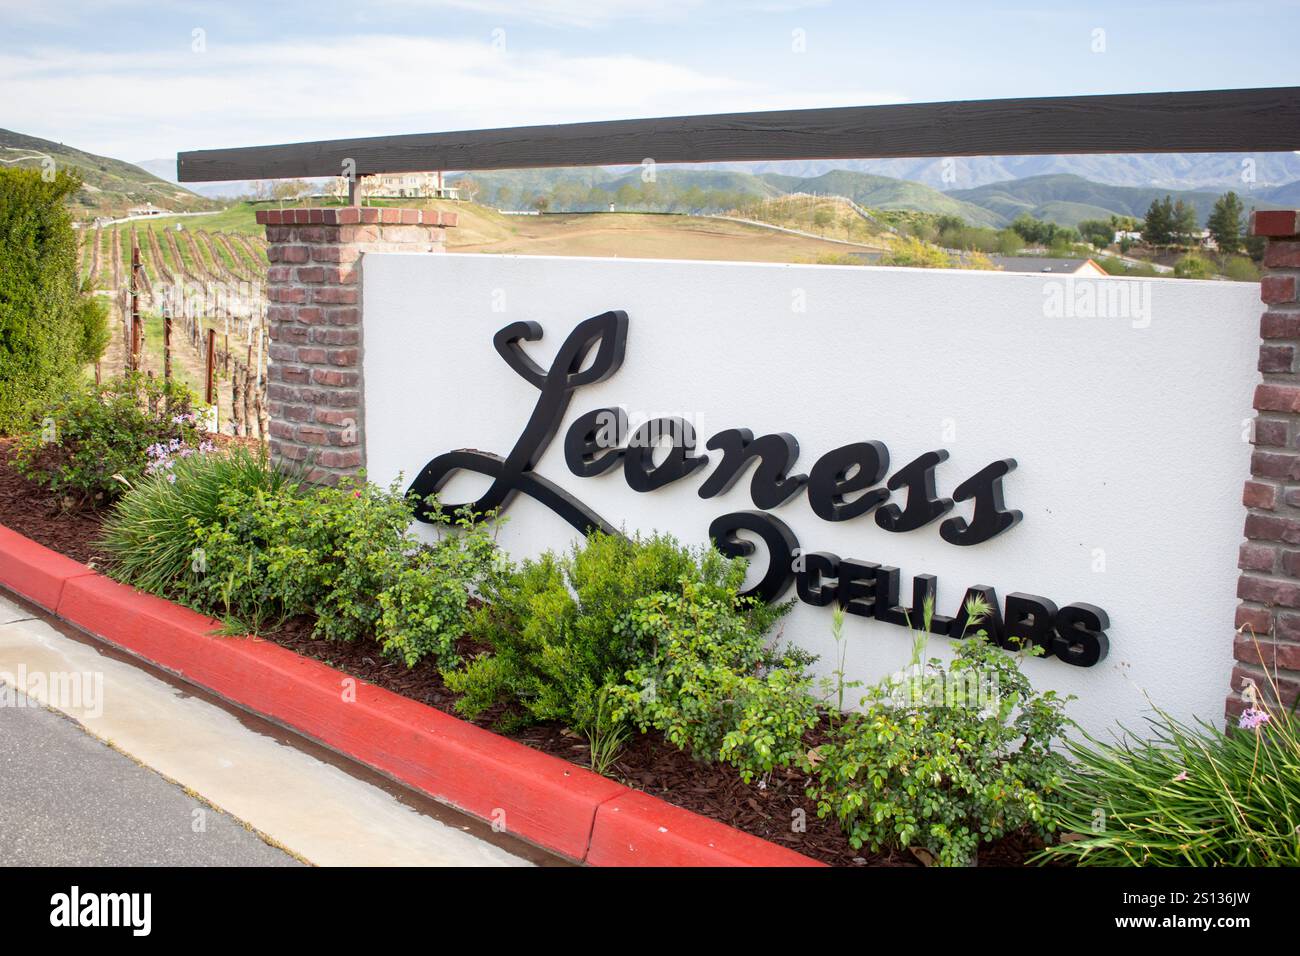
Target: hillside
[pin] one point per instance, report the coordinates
(1167, 171)
(111, 186)
(882, 192)
(1068, 199)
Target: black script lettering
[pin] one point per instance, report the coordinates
(770, 485)
(593, 433)
(777, 537)
(991, 516)
(830, 480)
(607, 335)
(639, 466)
(923, 501)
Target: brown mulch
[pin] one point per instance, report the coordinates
(32, 511)
(765, 808)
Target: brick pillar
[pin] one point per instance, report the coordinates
(314, 390)
(1268, 619)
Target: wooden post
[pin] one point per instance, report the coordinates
(209, 392)
(136, 337)
(167, 343)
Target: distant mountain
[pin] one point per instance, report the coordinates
(1068, 199)
(1208, 171)
(111, 186)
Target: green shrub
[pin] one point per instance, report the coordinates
(1192, 266)
(552, 625)
(328, 551)
(710, 683)
(151, 534)
(43, 341)
(1189, 796)
(93, 333)
(944, 757)
(94, 443)
(426, 604)
(271, 549)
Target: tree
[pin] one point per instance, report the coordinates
(1184, 224)
(46, 332)
(469, 188)
(1158, 227)
(1097, 231)
(541, 203)
(1225, 222)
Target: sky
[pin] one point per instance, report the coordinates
(143, 80)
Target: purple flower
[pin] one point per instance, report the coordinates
(1253, 718)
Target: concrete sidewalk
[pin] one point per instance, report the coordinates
(178, 757)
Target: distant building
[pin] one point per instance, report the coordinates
(148, 209)
(1062, 267)
(407, 186)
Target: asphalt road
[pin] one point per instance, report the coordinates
(66, 799)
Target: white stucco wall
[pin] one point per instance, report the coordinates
(1129, 432)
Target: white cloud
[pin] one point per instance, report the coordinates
(151, 103)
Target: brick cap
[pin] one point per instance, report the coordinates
(1275, 223)
(349, 215)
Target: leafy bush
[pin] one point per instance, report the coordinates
(271, 549)
(94, 443)
(151, 533)
(425, 607)
(944, 757)
(1192, 266)
(553, 625)
(711, 684)
(1190, 796)
(46, 334)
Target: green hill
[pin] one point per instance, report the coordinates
(111, 187)
(882, 192)
(1068, 199)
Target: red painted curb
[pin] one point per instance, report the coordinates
(637, 829)
(34, 571)
(540, 798)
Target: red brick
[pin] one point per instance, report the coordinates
(1257, 494)
(1277, 289)
(311, 356)
(344, 357)
(310, 315)
(1268, 654)
(285, 294)
(1271, 464)
(312, 435)
(323, 376)
(345, 316)
(336, 336)
(340, 459)
(1258, 619)
(1282, 255)
(1267, 591)
(1279, 223)
(1280, 325)
(1282, 687)
(350, 214)
(1272, 358)
(317, 274)
(1290, 563)
(1270, 397)
(1256, 557)
(1270, 432)
(1288, 627)
(1272, 528)
(333, 295)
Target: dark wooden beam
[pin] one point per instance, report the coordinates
(1262, 120)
